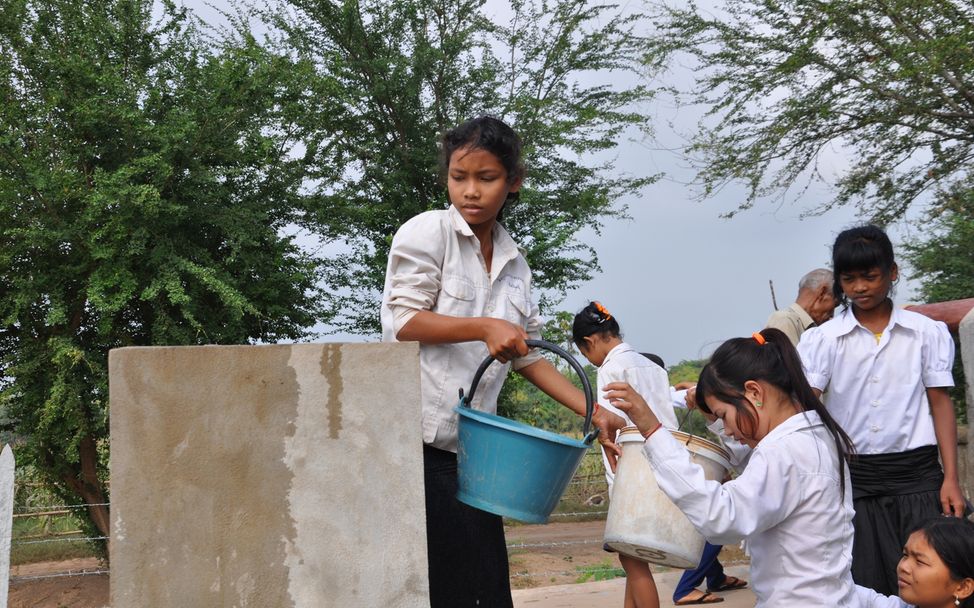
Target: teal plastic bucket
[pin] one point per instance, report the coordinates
(513, 469)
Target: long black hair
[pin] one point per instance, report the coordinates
(953, 540)
(490, 134)
(591, 320)
(776, 362)
(859, 249)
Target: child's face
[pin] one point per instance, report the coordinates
(728, 413)
(922, 576)
(867, 289)
(477, 185)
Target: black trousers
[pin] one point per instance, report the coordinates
(467, 552)
(893, 494)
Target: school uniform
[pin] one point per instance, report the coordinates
(877, 394)
(624, 364)
(788, 503)
(436, 264)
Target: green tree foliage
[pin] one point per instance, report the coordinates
(145, 181)
(886, 84)
(393, 75)
(943, 264)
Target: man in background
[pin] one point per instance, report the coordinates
(813, 306)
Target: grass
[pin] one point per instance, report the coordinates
(602, 571)
(47, 538)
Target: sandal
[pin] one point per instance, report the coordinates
(704, 598)
(730, 583)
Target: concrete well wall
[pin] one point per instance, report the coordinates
(267, 477)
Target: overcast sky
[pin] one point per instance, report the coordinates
(678, 277)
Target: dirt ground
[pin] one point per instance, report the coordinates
(570, 551)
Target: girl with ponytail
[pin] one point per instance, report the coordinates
(792, 502)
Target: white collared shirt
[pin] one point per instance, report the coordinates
(787, 504)
(435, 264)
(877, 392)
(868, 598)
(623, 364)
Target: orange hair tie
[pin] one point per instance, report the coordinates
(601, 309)
(759, 338)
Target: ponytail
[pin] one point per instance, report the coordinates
(593, 319)
(769, 356)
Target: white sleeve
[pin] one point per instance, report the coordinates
(415, 268)
(867, 598)
(765, 494)
(533, 329)
(817, 352)
(652, 382)
(937, 353)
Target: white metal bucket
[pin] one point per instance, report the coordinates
(643, 522)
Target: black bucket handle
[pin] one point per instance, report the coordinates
(586, 385)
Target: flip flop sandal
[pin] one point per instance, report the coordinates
(706, 598)
(730, 583)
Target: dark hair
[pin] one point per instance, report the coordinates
(655, 359)
(859, 248)
(593, 319)
(775, 362)
(494, 136)
(953, 540)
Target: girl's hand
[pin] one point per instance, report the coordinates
(608, 425)
(504, 340)
(951, 498)
(632, 403)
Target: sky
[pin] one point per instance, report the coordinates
(679, 278)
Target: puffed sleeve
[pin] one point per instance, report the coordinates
(415, 268)
(817, 352)
(937, 355)
(764, 495)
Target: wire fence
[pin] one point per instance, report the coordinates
(53, 532)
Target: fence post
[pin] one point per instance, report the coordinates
(6, 519)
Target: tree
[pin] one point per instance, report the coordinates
(393, 75)
(886, 83)
(146, 180)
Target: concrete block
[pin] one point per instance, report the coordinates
(966, 333)
(267, 477)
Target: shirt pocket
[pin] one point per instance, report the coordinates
(516, 307)
(458, 297)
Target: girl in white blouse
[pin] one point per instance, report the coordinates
(885, 373)
(792, 502)
(596, 333)
(936, 569)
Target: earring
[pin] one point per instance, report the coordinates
(956, 601)
(758, 403)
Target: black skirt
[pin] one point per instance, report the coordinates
(893, 494)
(467, 552)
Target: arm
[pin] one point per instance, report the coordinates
(945, 428)
(504, 340)
(545, 376)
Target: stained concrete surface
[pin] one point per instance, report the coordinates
(267, 476)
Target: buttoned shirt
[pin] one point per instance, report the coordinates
(877, 391)
(787, 503)
(868, 598)
(793, 321)
(624, 364)
(436, 264)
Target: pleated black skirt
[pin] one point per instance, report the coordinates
(893, 494)
(467, 552)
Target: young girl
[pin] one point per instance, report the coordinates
(792, 502)
(886, 372)
(596, 334)
(457, 283)
(936, 569)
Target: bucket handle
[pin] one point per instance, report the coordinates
(586, 385)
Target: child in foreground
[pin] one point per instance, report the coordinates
(936, 569)
(792, 502)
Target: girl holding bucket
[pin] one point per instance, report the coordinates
(596, 333)
(457, 283)
(886, 371)
(936, 569)
(792, 502)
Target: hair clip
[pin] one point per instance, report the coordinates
(759, 338)
(605, 313)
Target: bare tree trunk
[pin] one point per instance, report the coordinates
(89, 487)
